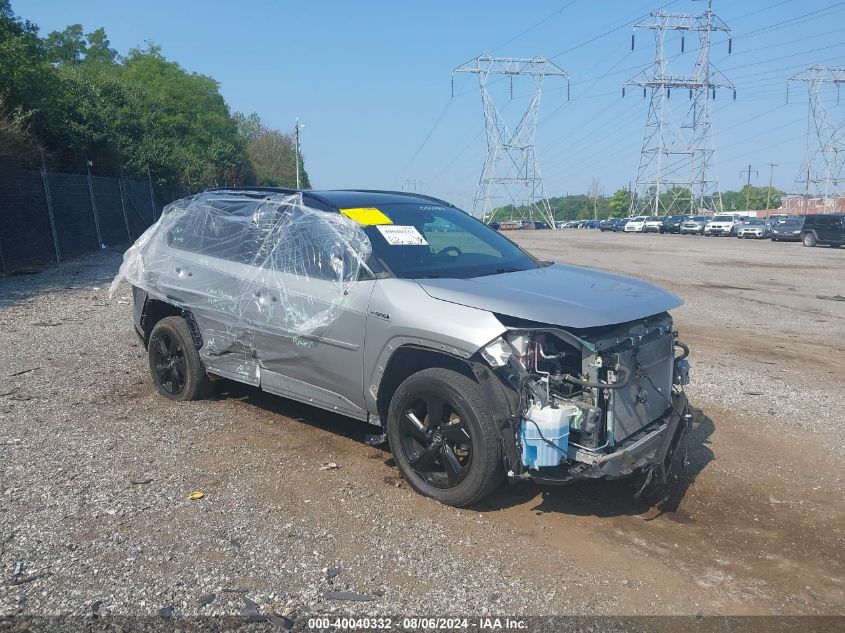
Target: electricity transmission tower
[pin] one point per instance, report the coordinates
(821, 174)
(511, 174)
(678, 156)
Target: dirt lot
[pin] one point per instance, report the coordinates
(95, 469)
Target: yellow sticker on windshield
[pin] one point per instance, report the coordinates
(368, 216)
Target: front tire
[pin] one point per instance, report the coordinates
(809, 240)
(443, 438)
(175, 364)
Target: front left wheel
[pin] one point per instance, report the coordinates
(175, 364)
(443, 438)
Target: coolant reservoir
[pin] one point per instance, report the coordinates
(553, 425)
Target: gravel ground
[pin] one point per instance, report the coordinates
(96, 471)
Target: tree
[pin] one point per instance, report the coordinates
(249, 126)
(66, 47)
(99, 49)
(751, 198)
(17, 146)
(271, 154)
(72, 94)
(620, 203)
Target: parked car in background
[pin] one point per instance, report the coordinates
(694, 225)
(653, 224)
(672, 223)
(721, 224)
(619, 224)
(788, 231)
(610, 224)
(636, 224)
(777, 218)
(541, 225)
(593, 224)
(478, 360)
(824, 229)
(754, 228)
(493, 225)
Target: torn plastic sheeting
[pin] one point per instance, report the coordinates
(251, 261)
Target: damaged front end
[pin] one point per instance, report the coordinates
(601, 402)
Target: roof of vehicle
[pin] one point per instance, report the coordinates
(333, 199)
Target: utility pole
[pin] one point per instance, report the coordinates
(748, 171)
(769, 193)
(678, 152)
(296, 151)
(511, 171)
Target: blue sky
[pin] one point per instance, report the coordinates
(371, 79)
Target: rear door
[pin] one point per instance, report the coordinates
(205, 270)
(824, 228)
(834, 229)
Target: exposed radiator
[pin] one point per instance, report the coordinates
(649, 393)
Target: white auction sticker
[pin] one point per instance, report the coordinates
(397, 235)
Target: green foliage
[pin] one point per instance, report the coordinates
(751, 198)
(676, 201)
(272, 156)
(620, 203)
(73, 95)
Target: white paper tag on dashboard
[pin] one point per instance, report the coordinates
(397, 235)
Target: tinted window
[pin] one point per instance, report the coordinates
(723, 218)
(453, 244)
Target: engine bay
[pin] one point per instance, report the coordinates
(584, 393)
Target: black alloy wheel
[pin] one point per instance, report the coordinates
(168, 361)
(175, 364)
(443, 437)
(435, 441)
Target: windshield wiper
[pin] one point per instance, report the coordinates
(499, 271)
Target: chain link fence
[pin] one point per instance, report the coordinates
(48, 215)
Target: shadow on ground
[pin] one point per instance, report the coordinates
(600, 498)
(604, 498)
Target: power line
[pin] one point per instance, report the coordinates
(531, 28)
(609, 32)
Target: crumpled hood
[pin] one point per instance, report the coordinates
(568, 296)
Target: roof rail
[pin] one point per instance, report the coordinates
(284, 190)
(401, 193)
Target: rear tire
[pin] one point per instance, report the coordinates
(175, 364)
(809, 240)
(443, 438)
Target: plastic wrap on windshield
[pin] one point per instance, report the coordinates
(246, 263)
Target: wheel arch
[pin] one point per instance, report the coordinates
(154, 310)
(407, 360)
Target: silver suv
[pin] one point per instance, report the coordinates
(477, 360)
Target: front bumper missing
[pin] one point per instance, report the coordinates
(654, 451)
